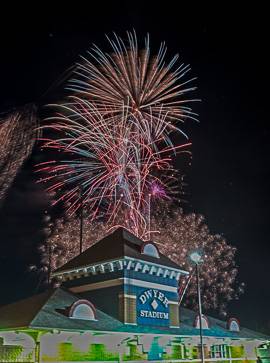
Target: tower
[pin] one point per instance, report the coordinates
(127, 278)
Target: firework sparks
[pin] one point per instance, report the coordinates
(114, 134)
(114, 155)
(18, 131)
(158, 191)
(145, 85)
(111, 165)
(177, 235)
(180, 234)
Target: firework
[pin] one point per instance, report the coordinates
(108, 166)
(112, 154)
(177, 235)
(18, 130)
(145, 85)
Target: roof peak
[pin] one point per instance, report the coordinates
(116, 245)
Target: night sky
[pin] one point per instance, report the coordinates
(229, 179)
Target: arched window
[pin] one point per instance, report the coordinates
(82, 309)
(233, 325)
(150, 249)
(205, 323)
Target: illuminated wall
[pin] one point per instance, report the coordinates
(101, 347)
(16, 347)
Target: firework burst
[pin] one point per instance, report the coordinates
(113, 133)
(145, 85)
(177, 235)
(109, 164)
(18, 131)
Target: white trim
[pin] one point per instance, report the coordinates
(152, 285)
(111, 266)
(129, 265)
(138, 266)
(102, 268)
(120, 281)
(173, 302)
(92, 269)
(92, 266)
(158, 265)
(72, 317)
(145, 268)
(128, 295)
(166, 272)
(141, 333)
(177, 277)
(120, 264)
(131, 324)
(125, 261)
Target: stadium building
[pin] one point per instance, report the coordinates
(118, 302)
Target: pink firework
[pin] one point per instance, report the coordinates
(18, 131)
(106, 166)
(114, 133)
(144, 85)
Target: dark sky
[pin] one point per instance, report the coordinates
(229, 177)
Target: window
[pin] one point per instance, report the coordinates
(205, 324)
(233, 325)
(150, 249)
(218, 351)
(82, 309)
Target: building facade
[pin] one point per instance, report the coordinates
(118, 302)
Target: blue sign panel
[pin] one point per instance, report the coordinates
(152, 308)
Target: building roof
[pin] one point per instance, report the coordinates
(48, 311)
(20, 314)
(118, 244)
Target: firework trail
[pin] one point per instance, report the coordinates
(112, 153)
(111, 166)
(115, 135)
(18, 131)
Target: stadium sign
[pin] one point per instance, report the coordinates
(152, 308)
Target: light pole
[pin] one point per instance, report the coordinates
(81, 221)
(81, 230)
(196, 258)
